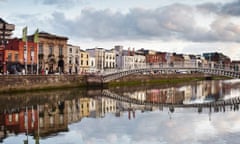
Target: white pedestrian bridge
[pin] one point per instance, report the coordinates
(219, 70)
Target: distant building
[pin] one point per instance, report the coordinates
(128, 59)
(5, 34)
(156, 58)
(235, 65)
(177, 59)
(219, 59)
(5, 31)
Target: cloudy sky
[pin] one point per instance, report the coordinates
(184, 26)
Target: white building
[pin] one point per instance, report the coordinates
(139, 61)
(98, 53)
(127, 59)
(73, 58)
(109, 59)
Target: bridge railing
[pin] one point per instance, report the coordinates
(175, 65)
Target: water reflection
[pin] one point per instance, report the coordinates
(46, 114)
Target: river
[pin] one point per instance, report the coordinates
(197, 113)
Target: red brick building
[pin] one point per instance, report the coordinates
(12, 57)
(156, 58)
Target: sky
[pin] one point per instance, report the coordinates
(149, 128)
(186, 26)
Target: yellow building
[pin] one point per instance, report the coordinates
(84, 62)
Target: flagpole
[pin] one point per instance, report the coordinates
(35, 39)
(24, 38)
(37, 59)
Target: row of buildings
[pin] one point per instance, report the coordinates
(54, 54)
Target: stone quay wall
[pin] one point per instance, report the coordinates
(10, 83)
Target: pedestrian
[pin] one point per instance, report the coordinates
(23, 71)
(46, 71)
(42, 71)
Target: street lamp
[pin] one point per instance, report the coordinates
(5, 65)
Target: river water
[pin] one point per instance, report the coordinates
(196, 113)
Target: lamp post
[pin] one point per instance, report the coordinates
(5, 64)
(4, 67)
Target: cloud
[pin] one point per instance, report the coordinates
(61, 3)
(231, 8)
(136, 24)
(171, 22)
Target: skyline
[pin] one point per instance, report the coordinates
(187, 27)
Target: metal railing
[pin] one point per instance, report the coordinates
(177, 67)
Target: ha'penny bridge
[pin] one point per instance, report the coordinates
(218, 105)
(218, 70)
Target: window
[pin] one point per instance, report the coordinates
(50, 49)
(87, 63)
(41, 123)
(76, 60)
(9, 57)
(40, 50)
(61, 120)
(32, 48)
(10, 117)
(16, 117)
(81, 62)
(81, 55)
(16, 57)
(51, 121)
(70, 50)
(70, 60)
(92, 63)
(32, 53)
(60, 50)
(25, 48)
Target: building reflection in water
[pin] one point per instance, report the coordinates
(47, 114)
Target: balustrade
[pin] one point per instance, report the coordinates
(173, 67)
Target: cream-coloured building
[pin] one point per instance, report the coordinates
(109, 59)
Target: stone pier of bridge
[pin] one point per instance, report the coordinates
(95, 81)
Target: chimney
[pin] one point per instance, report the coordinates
(129, 51)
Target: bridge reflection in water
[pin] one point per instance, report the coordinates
(45, 114)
